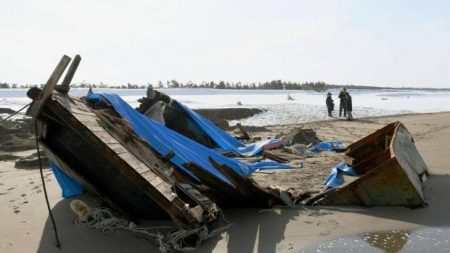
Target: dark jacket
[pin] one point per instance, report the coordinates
(348, 102)
(341, 97)
(330, 104)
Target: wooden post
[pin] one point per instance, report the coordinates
(46, 92)
(65, 85)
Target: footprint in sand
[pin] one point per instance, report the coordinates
(333, 222)
(325, 233)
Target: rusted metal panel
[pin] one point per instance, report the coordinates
(391, 171)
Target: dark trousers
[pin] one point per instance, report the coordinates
(342, 107)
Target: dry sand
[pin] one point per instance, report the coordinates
(26, 227)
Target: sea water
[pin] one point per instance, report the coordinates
(430, 239)
(307, 105)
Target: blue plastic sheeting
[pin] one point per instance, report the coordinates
(336, 175)
(256, 148)
(225, 141)
(69, 187)
(327, 146)
(165, 141)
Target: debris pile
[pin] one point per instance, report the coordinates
(171, 162)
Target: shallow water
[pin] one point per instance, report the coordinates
(431, 240)
(307, 106)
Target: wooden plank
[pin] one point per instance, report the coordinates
(247, 187)
(82, 112)
(106, 137)
(46, 92)
(96, 128)
(148, 175)
(217, 190)
(86, 118)
(117, 147)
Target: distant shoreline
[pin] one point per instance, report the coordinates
(318, 87)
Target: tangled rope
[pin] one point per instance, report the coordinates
(167, 238)
(10, 116)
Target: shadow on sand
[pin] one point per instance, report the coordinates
(253, 230)
(79, 238)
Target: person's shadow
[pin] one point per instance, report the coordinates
(253, 230)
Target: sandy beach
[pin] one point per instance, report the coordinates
(26, 226)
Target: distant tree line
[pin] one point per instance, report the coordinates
(318, 86)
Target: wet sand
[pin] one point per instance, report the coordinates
(26, 226)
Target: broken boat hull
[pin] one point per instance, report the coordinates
(392, 171)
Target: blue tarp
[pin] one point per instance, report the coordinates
(165, 141)
(225, 141)
(336, 175)
(327, 146)
(69, 186)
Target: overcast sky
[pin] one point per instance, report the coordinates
(383, 43)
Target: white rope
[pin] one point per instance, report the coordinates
(102, 219)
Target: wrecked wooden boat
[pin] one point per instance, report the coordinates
(391, 171)
(95, 147)
(111, 162)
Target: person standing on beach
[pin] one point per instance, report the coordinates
(341, 102)
(330, 104)
(348, 105)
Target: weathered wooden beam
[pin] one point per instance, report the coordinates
(45, 94)
(65, 85)
(247, 187)
(217, 190)
(245, 134)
